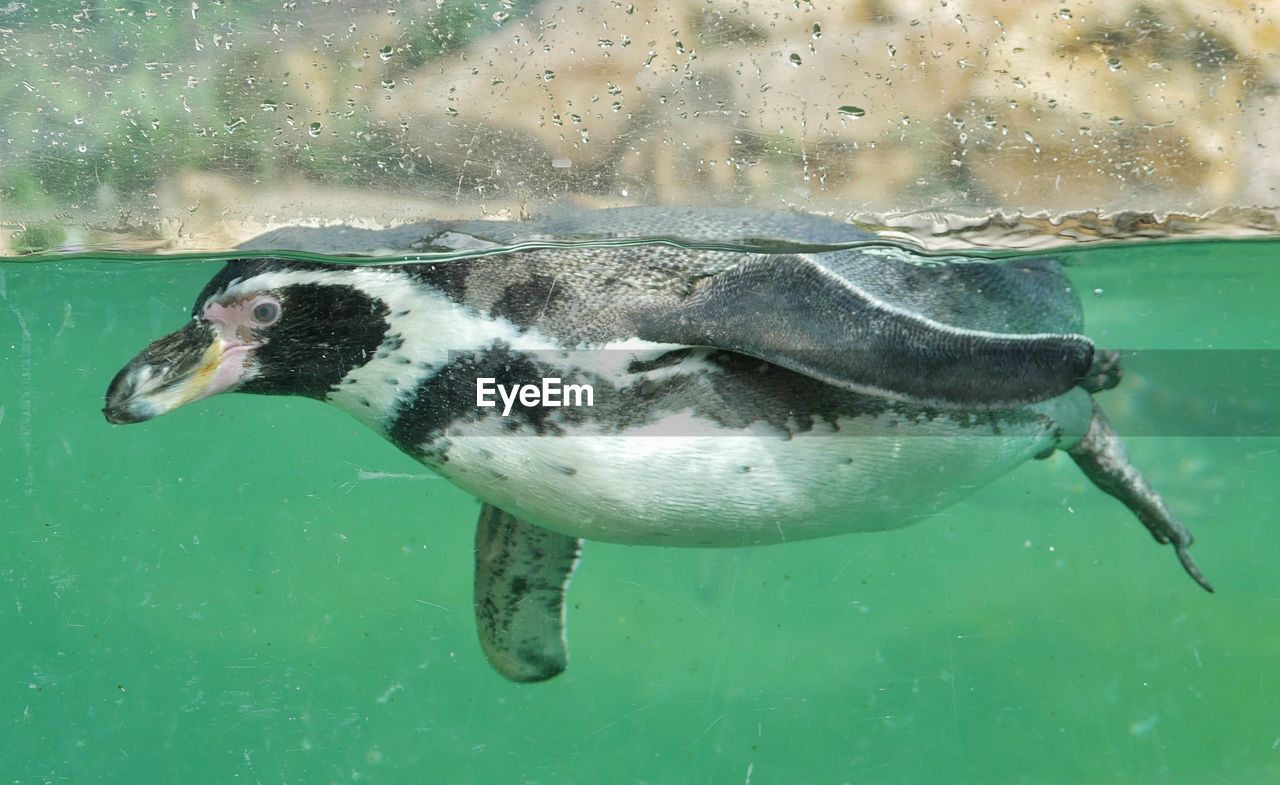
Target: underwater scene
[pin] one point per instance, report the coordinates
(259, 588)
(504, 391)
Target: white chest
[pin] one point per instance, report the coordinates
(709, 488)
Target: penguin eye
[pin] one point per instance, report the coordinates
(266, 313)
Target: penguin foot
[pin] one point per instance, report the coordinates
(1103, 459)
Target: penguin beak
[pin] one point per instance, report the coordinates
(188, 365)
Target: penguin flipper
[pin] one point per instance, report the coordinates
(522, 572)
(794, 312)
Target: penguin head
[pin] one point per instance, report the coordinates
(266, 326)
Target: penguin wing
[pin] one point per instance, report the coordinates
(522, 572)
(964, 334)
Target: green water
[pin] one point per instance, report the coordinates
(258, 590)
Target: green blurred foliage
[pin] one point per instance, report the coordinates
(104, 100)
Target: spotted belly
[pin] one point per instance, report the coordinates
(685, 481)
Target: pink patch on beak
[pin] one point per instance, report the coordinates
(235, 333)
(235, 325)
(230, 370)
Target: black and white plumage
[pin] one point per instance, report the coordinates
(741, 399)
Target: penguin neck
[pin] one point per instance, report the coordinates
(427, 326)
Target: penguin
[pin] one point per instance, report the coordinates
(706, 397)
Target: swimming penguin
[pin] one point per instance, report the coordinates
(723, 398)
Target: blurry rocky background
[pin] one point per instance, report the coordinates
(197, 124)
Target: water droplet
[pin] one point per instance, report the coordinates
(500, 16)
(989, 121)
(852, 111)
(817, 31)
(575, 119)
(1116, 120)
(314, 129)
(1027, 135)
(1097, 292)
(388, 84)
(604, 43)
(548, 75)
(795, 59)
(451, 112)
(1052, 103)
(1114, 63)
(268, 106)
(617, 106)
(231, 125)
(561, 163)
(1064, 13)
(78, 120)
(82, 147)
(385, 53)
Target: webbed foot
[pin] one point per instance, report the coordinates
(1102, 457)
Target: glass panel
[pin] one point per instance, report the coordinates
(196, 126)
(261, 589)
